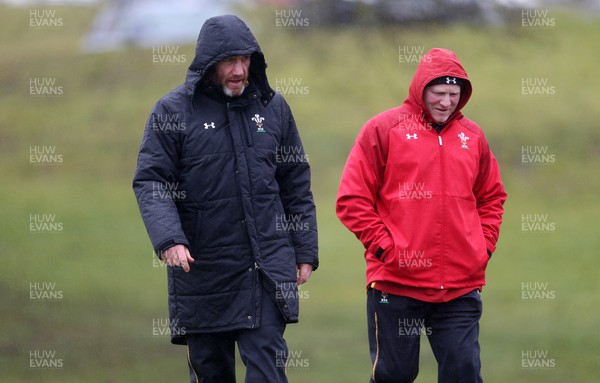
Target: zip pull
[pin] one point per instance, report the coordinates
(440, 140)
(256, 266)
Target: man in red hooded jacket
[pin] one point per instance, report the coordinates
(421, 190)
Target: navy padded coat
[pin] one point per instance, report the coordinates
(228, 178)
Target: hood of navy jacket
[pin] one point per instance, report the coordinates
(222, 37)
(436, 63)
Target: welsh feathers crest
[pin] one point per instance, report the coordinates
(259, 123)
(258, 119)
(463, 140)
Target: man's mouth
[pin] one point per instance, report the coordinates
(236, 83)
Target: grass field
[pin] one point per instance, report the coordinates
(83, 298)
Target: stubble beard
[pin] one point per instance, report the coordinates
(229, 93)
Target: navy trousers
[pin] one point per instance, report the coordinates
(396, 324)
(211, 356)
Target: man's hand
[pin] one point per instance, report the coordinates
(177, 255)
(304, 272)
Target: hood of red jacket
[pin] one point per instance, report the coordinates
(436, 63)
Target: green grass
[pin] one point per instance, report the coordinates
(102, 261)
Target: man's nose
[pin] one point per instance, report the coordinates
(445, 101)
(238, 68)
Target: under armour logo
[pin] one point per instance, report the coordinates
(207, 125)
(409, 136)
(451, 80)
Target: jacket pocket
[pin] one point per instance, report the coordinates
(271, 220)
(382, 254)
(221, 223)
(198, 230)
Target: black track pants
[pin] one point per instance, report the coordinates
(211, 357)
(396, 324)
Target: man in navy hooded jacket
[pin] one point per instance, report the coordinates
(227, 208)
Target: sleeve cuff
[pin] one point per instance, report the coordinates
(169, 243)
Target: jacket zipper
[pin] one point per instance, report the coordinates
(443, 210)
(232, 115)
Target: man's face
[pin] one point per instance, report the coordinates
(441, 101)
(232, 74)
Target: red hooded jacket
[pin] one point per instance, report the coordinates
(426, 206)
